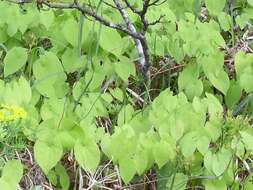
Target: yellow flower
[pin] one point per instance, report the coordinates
(11, 113)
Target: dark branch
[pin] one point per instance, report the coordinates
(109, 5)
(129, 28)
(145, 8)
(156, 3)
(159, 20)
(87, 11)
(134, 10)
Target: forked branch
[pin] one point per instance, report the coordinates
(128, 28)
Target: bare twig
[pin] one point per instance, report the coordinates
(133, 9)
(87, 11)
(138, 97)
(157, 3)
(156, 21)
(129, 27)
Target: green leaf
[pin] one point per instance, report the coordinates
(166, 172)
(24, 90)
(215, 184)
(213, 69)
(215, 6)
(52, 108)
(188, 81)
(47, 18)
(47, 154)
(203, 144)
(63, 175)
(72, 62)
(248, 184)
(221, 161)
(177, 130)
(125, 115)
(244, 81)
(234, 94)
(14, 60)
(213, 129)
(52, 177)
(225, 21)
(175, 49)
(250, 2)
(208, 161)
(106, 42)
(125, 69)
(50, 76)
(3, 38)
(214, 106)
(126, 135)
(239, 147)
(69, 132)
(141, 161)
(12, 172)
(220, 81)
(188, 144)
(11, 175)
(118, 94)
(247, 139)
(242, 20)
(87, 155)
(194, 89)
(163, 152)
(7, 185)
(17, 92)
(70, 31)
(177, 182)
(127, 169)
(244, 70)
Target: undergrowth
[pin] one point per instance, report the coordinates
(80, 108)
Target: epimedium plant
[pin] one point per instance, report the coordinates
(53, 71)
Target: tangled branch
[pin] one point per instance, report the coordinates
(128, 28)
